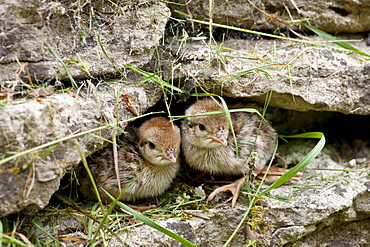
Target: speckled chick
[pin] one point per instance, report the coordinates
(148, 162)
(208, 144)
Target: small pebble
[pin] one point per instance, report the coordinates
(352, 163)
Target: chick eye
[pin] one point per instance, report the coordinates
(151, 145)
(202, 127)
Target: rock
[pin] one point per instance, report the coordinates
(31, 179)
(301, 77)
(330, 203)
(346, 234)
(92, 39)
(349, 16)
(212, 232)
(128, 33)
(322, 202)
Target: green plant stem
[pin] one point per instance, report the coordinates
(229, 120)
(336, 41)
(86, 166)
(288, 175)
(8, 239)
(277, 36)
(251, 203)
(155, 78)
(111, 207)
(305, 161)
(249, 110)
(338, 170)
(1, 232)
(62, 63)
(66, 138)
(47, 233)
(106, 54)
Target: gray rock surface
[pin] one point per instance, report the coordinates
(323, 201)
(333, 201)
(301, 77)
(31, 179)
(128, 31)
(325, 208)
(348, 16)
(212, 232)
(322, 205)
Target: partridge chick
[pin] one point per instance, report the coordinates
(209, 146)
(147, 159)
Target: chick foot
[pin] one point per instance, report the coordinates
(274, 173)
(234, 188)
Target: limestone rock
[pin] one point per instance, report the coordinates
(31, 179)
(349, 16)
(330, 203)
(323, 201)
(301, 77)
(92, 38)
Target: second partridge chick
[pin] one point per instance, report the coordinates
(209, 146)
(148, 162)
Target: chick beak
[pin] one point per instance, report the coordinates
(170, 155)
(220, 138)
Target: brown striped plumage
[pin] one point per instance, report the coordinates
(148, 162)
(209, 146)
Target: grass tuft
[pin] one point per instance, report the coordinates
(151, 223)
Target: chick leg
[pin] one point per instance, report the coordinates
(274, 173)
(234, 188)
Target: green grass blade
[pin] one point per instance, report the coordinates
(107, 213)
(84, 68)
(93, 184)
(151, 223)
(48, 151)
(107, 56)
(154, 78)
(315, 135)
(305, 161)
(203, 94)
(66, 138)
(1, 232)
(249, 110)
(10, 240)
(339, 170)
(47, 233)
(62, 63)
(335, 40)
(249, 31)
(101, 138)
(238, 74)
(229, 120)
